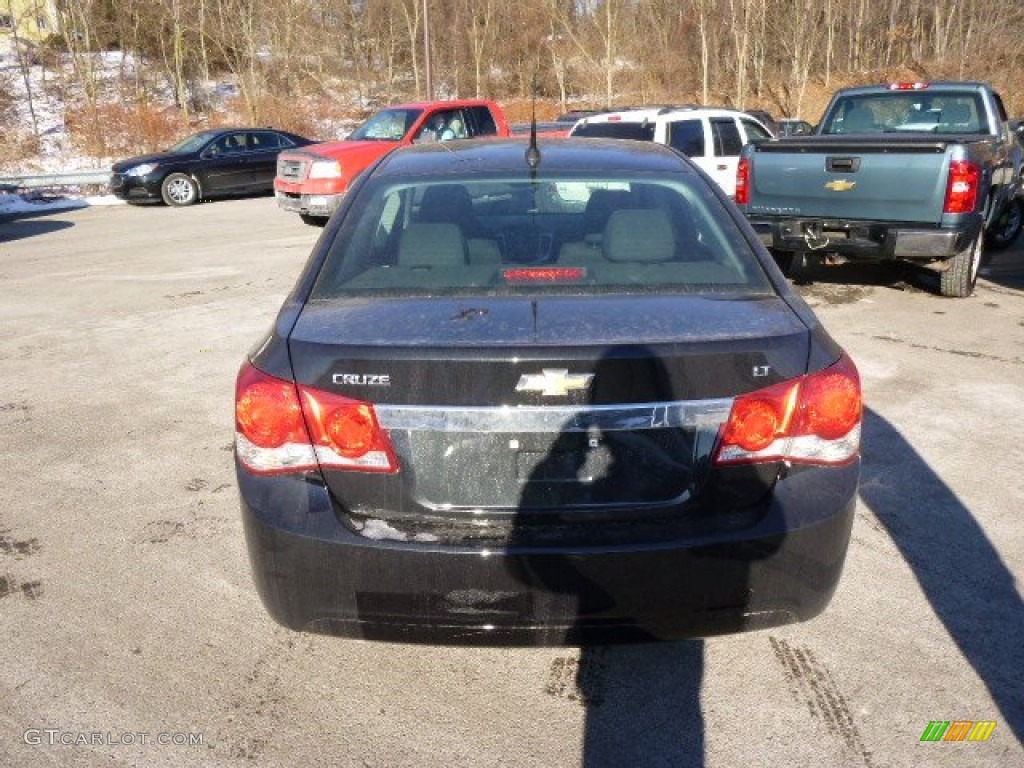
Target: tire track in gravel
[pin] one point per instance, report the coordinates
(812, 683)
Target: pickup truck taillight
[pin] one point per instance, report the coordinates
(961, 187)
(743, 182)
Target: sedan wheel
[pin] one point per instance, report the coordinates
(179, 189)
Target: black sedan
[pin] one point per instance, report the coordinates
(544, 397)
(206, 164)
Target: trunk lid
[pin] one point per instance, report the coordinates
(492, 413)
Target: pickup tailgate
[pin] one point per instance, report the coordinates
(886, 179)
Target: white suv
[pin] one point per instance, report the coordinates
(711, 137)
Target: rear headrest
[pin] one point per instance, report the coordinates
(446, 202)
(859, 119)
(957, 114)
(431, 245)
(638, 235)
(600, 204)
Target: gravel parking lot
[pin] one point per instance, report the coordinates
(132, 634)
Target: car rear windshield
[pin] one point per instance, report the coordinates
(615, 130)
(516, 236)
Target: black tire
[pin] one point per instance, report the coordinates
(1006, 227)
(313, 221)
(784, 260)
(179, 189)
(962, 273)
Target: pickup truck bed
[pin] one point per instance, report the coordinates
(890, 185)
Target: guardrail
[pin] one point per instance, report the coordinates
(69, 179)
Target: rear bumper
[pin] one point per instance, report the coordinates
(864, 240)
(310, 204)
(315, 574)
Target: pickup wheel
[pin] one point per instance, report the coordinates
(959, 278)
(313, 221)
(798, 266)
(1006, 228)
(784, 260)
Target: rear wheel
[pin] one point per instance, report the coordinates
(1007, 226)
(960, 277)
(313, 221)
(798, 266)
(179, 189)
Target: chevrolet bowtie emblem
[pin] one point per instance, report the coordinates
(553, 382)
(841, 185)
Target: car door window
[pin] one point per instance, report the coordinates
(443, 125)
(726, 135)
(230, 144)
(687, 136)
(261, 141)
(481, 122)
(754, 130)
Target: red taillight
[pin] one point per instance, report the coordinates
(918, 86)
(961, 187)
(814, 419)
(743, 182)
(758, 419)
(346, 434)
(281, 427)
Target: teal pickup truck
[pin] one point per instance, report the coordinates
(921, 172)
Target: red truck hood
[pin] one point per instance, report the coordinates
(337, 149)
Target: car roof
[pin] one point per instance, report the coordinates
(497, 156)
(928, 85)
(655, 114)
(446, 103)
(664, 113)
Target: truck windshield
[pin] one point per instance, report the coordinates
(942, 112)
(386, 125)
(514, 236)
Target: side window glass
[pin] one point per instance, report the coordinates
(754, 131)
(726, 136)
(438, 127)
(233, 143)
(483, 122)
(260, 141)
(687, 136)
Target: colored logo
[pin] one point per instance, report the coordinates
(958, 730)
(841, 185)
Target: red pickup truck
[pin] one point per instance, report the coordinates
(311, 181)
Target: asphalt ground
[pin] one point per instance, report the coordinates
(131, 633)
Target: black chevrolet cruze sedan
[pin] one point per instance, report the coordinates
(544, 395)
(211, 163)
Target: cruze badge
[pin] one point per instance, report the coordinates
(363, 379)
(553, 382)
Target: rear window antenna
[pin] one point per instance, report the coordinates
(532, 151)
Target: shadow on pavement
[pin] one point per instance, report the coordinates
(1005, 268)
(961, 573)
(20, 228)
(643, 705)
